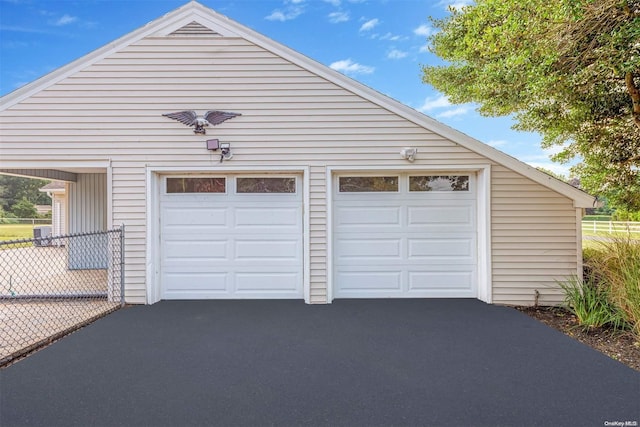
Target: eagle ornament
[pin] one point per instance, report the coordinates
(190, 118)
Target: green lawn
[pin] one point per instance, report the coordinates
(15, 231)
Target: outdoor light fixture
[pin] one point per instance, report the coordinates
(409, 153)
(225, 151)
(224, 147)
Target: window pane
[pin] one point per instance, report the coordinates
(439, 183)
(365, 184)
(266, 185)
(196, 185)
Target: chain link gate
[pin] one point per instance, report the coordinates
(51, 286)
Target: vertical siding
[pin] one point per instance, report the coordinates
(533, 240)
(290, 117)
(88, 203)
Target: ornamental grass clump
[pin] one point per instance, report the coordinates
(615, 265)
(592, 305)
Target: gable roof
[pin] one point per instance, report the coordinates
(54, 187)
(194, 18)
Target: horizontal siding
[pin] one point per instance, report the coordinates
(533, 240)
(317, 234)
(290, 117)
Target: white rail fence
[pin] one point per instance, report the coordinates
(32, 221)
(610, 227)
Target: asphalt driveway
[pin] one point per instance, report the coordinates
(353, 363)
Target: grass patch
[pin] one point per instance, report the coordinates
(15, 231)
(596, 218)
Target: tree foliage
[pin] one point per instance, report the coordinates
(14, 188)
(24, 209)
(569, 70)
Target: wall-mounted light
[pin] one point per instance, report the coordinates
(409, 153)
(224, 147)
(225, 151)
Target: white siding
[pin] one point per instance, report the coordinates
(88, 203)
(290, 117)
(533, 240)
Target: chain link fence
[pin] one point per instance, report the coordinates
(50, 286)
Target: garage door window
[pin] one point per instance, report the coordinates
(196, 185)
(367, 184)
(266, 185)
(439, 183)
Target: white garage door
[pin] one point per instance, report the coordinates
(404, 235)
(231, 237)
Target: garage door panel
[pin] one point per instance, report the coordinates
(195, 284)
(441, 216)
(355, 248)
(267, 250)
(195, 250)
(356, 281)
(458, 249)
(362, 216)
(405, 244)
(272, 217)
(174, 218)
(267, 283)
(231, 245)
(441, 280)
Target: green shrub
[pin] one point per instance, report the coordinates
(615, 264)
(8, 218)
(624, 215)
(592, 305)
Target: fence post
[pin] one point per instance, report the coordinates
(610, 227)
(595, 228)
(122, 265)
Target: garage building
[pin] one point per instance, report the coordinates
(316, 187)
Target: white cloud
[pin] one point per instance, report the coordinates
(425, 48)
(396, 54)
(456, 4)
(392, 37)
(434, 102)
(370, 24)
(333, 2)
(347, 66)
(553, 167)
(454, 112)
(495, 143)
(553, 150)
(292, 9)
(278, 15)
(423, 30)
(441, 103)
(337, 17)
(65, 20)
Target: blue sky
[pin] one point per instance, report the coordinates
(381, 43)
